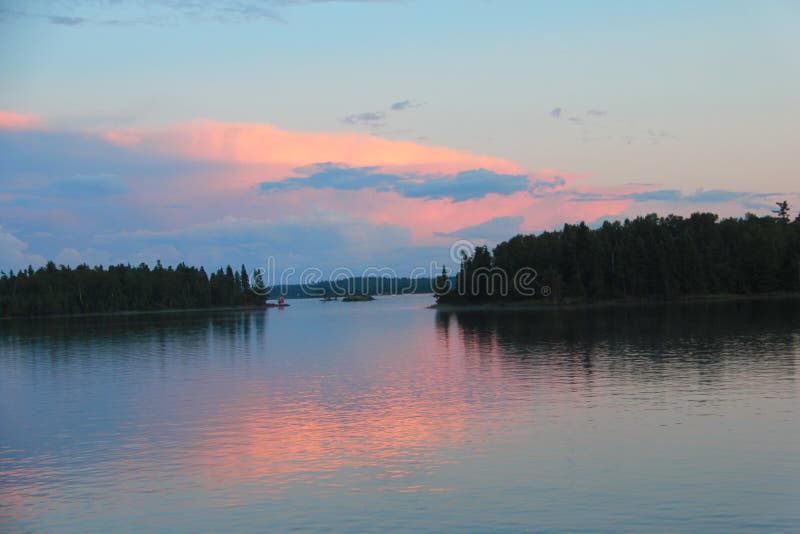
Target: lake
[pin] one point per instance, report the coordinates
(388, 415)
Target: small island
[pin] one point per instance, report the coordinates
(358, 298)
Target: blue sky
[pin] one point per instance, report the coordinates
(635, 106)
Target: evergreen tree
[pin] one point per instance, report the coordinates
(646, 257)
(245, 280)
(783, 211)
(442, 283)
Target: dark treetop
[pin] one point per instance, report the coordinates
(63, 290)
(645, 257)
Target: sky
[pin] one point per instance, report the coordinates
(352, 134)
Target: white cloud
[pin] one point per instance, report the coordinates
(68, 256)
(13, 252)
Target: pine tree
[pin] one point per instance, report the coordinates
(442, 283)
(783, 211)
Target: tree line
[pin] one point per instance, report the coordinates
(648, 256)
(64, 290)
(645, 257)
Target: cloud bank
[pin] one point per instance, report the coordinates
(212, 193)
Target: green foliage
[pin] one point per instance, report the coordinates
(64, 290)
(358, 298)
(648, 256)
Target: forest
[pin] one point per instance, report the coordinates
(53, 290)
(62, 290)
(645, 257)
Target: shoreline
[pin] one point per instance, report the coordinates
(580, 303)
(125, 313)
(515, 305)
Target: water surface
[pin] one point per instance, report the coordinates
(388, 415)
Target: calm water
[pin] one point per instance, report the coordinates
(387, 415)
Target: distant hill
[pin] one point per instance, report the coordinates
(371, 285)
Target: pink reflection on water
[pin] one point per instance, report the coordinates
(384, 434)
(422, 409)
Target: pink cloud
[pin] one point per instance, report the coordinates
(126, 138)
(264, 144)
(233, 159)
(10, 120)
(261, 152)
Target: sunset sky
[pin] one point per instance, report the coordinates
(377, 133)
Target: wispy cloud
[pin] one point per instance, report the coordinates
(715, 196)
(465, 185)
(376, 119)
(67, 21)
(712, 196)
(335, 176)
(659, 195)
(404, 105)
(367, 118)
(157, 12)
(87, 13)
(559, 112)
(594, 125)
(541, 188)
